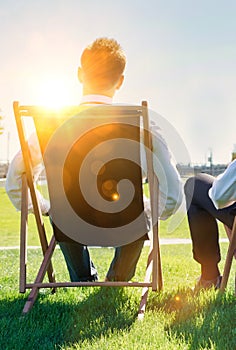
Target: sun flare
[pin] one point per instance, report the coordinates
(55, 92)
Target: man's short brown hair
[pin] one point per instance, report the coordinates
(103, 62)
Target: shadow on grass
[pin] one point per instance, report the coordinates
(76, 315)
(203, 321)
(64, 318)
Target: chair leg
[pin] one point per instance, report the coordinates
(23, 234)
(229, 258)
(157, 281)
(149, 270)
(44, 242)
(41, 273)
(159, 268)
(143, 302)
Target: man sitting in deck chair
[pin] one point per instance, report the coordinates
(101, 73)
(211, 200)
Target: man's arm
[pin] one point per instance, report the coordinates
(223, 190)
(170, 184)
(14, 176)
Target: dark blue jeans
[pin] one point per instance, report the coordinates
(79, 264)
(202, 218)
(81, 267)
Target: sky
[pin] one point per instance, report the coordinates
(181, 58)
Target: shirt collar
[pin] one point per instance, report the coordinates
(96, 99)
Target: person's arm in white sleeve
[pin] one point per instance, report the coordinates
(14, 177)
(223, 190)
(170, 184)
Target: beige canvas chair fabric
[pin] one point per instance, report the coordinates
(91, 156)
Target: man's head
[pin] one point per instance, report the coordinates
(102, 66)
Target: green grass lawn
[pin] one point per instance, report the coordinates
(106, 318)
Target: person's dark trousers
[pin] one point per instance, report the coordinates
(78, 261)
(79, 264)
(81, 267)
(124, 263)
(202, 218)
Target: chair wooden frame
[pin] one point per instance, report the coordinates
(231, 253)
(153, 275)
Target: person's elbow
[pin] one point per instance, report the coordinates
(175, 192)
(14, 197)
(13, 191)
(173, 201)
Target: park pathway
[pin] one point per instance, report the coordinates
(163, 241)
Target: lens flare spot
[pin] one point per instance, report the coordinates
(109, 189)
(177, 298)
(109, 185)
(115, 196)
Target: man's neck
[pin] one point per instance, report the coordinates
(108, 93)
(96, 99)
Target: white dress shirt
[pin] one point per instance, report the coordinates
(223, 190)
(14, 176)
(170, 184)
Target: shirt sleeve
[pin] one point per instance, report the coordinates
(14, 177)
(170, 184)
(223, 190)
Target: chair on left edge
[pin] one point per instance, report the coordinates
(108, 123)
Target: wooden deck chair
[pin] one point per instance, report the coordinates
(89, 153)
(231, 253)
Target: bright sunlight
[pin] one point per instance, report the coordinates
(54, 91)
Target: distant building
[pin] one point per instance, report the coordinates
(190, 170)
(214, 169)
